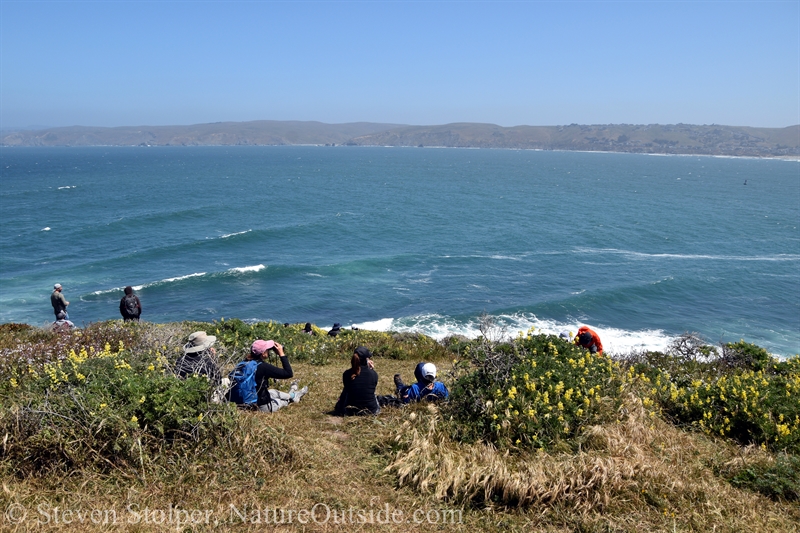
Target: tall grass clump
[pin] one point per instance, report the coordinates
(535, 391)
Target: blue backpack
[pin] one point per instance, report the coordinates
(243, 378)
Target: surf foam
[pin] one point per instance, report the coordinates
(615, 341)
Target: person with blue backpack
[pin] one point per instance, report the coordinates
(251, 377)
(426, 387)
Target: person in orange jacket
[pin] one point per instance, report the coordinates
(589, 339)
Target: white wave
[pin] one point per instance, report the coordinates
(384, 324)
(151, 284)
(46, 229)
(107, 291)
(314, 275)
(170, 280)
(232, 234)
(116, 289)
(69, 187)
(776, 257)
(615, 341)
(242, 270)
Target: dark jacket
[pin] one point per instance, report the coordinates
(358, 392)
(265, 371)
(123, 310)
(201, 364)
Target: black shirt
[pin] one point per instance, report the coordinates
(359, 392)
(264, 371)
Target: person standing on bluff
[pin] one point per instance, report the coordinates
(129, 306)
(58, 302)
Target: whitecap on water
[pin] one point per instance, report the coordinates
(615, 341)
(242, 270)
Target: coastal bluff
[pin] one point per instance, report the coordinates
(684, 139)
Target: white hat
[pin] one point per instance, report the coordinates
(199, 341)
(429, 371)
(57, 286)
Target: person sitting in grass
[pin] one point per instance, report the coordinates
(359, 384)
(199, 358)
(426, 387)
(270, 400)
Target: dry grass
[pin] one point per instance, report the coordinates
(637, 475)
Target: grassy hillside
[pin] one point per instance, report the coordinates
(98, 434)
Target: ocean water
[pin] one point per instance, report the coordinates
(641, 248)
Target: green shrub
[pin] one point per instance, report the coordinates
(535, 392)
(779, 480)
(104, 408)
(749, 406)
(745, 355)
(22, 347)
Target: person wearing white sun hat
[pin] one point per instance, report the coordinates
(199, 358)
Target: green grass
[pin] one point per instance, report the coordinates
(633, 471)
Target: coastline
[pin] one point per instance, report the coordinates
(686, 139)
(791, 158)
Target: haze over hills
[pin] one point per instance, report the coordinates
(652, 138)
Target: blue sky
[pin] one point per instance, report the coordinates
(111, 63)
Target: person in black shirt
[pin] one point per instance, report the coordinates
(360, 382)
(130, 307)
(270, 400)
(337, 328)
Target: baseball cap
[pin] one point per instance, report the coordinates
(260, 347)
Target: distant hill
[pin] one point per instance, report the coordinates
(652, 138)
(259, 132)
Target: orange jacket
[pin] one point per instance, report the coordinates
(595, 339)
